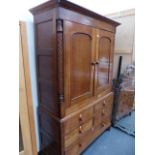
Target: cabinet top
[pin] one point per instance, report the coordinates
(71, 6)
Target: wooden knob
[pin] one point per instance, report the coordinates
(80, 129)
(104, 103)
(98, 35)
(103, 112)
(80, 117)
(80, 145)
(103, 124)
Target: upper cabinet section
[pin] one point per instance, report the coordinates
(74, 48)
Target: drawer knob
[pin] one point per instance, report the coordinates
(103, 124)
(80, 129)
(80, 145)
(80, 117)
(104, 103)
(103, 112)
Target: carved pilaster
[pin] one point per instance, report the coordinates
(60, 55)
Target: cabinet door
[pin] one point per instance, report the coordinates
(79, 69)
(104, 59)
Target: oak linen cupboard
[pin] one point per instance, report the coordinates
(74, 53)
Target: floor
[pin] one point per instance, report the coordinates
(127, 124)
(113, 142)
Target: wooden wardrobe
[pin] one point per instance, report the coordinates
(74, 52)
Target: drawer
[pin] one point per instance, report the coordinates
(80, 144)
(76, 133)
(103, 110)
(74, 150)
(101, 128)
(104, 125)
(85, 140)
(75, 121)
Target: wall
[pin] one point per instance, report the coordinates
(26, 16)
(104, 7)
(124, 45)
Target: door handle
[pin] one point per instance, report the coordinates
(97, 63)
(93, 63)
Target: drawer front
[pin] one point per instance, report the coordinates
(103, 110)
(74, 150)
(82, 143)
(85, 140)
(77, 120)
(76, 133)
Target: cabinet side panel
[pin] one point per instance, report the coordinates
(49, 133)
(47, 60)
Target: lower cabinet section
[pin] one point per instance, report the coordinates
(77, 140)
(71, 136)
